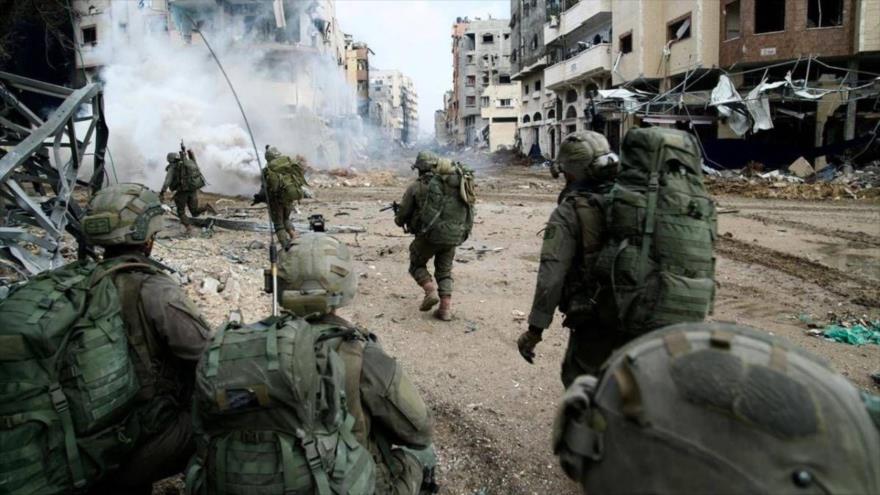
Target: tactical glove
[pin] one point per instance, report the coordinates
(527, 342)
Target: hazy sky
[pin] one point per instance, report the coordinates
(413, 36)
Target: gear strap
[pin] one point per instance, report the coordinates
(74, 462)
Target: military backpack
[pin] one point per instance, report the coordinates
(285, 179)
(446, 215)
(657, 265)
(270, 414)
(189, 176)
(68, 380)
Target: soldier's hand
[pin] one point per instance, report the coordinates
(162, 196)
(527, 342)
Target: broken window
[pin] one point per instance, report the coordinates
(571, 96)
(485, 79)
(484, 101)
(536, 117)
(513, 55)
(732, 20)
(571, 113)
(535, 42)
(824, 13)
(504, 102)
(90, 35)
(551, 114)
(679, 29)
(526, 90)
(488, 38)
(571, 129)
(504, 79)
(507, 36)
(526, 119)
(471, 81)
(470, 59)
(769, 16)
(470, 101)
(626, 43)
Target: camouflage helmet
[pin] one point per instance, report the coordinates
(272, 153)
(586, 155)
(315, 275)
(425, 161)
(123, 214)
(703, 407)
(172, 157)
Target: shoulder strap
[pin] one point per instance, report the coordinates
(129, 290)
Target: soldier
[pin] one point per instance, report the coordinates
(184, 178)
(342, 411)
(126, 342)
(283, 185)
(718, 408)
(441, 216)
(650, 266)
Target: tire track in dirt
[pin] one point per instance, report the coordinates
(849, 235)
(855, 288)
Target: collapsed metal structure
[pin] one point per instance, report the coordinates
(40, 159)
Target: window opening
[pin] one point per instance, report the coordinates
(769, 16)
(626, 43)
(732, 20)
(824, 13)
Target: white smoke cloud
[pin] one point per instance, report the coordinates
(159, 91)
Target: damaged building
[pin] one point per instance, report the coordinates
(394, 106)
(481, 60)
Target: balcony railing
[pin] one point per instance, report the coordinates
(589, 62)
(573, 17)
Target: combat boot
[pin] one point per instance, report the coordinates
(431, 299)
(444, 312)
(210, 209)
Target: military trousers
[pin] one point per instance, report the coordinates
(280, 212)
(160, 456)
(406, 472)
(188, 199)
(420, 253)
(588, 348)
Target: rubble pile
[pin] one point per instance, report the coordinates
(799, 182)
(351, 177)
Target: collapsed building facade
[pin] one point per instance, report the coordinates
(789, 78)
(394, 106)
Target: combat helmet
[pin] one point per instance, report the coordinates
(172, 157)
(586, 155)
(315, 276)
(425, 161)
(711, 407)
(272, 153)
(123, 214)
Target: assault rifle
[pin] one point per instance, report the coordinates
(393, 206)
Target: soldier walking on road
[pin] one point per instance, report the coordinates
(438, 208)
(184, 178)
(307, 402)
(284, 184)
(629, 261)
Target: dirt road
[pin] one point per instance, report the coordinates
(777, 260)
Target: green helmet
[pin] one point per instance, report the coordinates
(586, 155)
(425, 161)
(272, 153)
(123, 214)
(708, 407)
(172, 157)
(315, 275)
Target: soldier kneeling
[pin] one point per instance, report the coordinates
(718, 408)
(306, 402)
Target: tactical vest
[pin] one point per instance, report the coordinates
(270, 414)
(658, 262)
(446, 215)
(284, 180)
(68, 379)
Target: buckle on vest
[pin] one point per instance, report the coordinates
(59, 400)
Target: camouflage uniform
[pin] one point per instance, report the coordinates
(170, 337)
(421, 250)
(391, 419)
(184, 196)
(279, 209)
(575, 233)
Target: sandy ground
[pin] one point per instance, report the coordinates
(777, 260)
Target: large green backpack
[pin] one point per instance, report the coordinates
(67, 380)
(270, 414)
(285, 179)
(446, 215)
(658, 260)
(189, 177)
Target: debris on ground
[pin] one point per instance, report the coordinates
(855, 335)
(802, 182)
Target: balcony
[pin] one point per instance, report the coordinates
(592, 12)
(585, 64)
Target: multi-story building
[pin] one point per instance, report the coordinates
(537, 133)
(499, 107)
(578, 47)
(394, 105)
(357, 73)
(481, 57)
